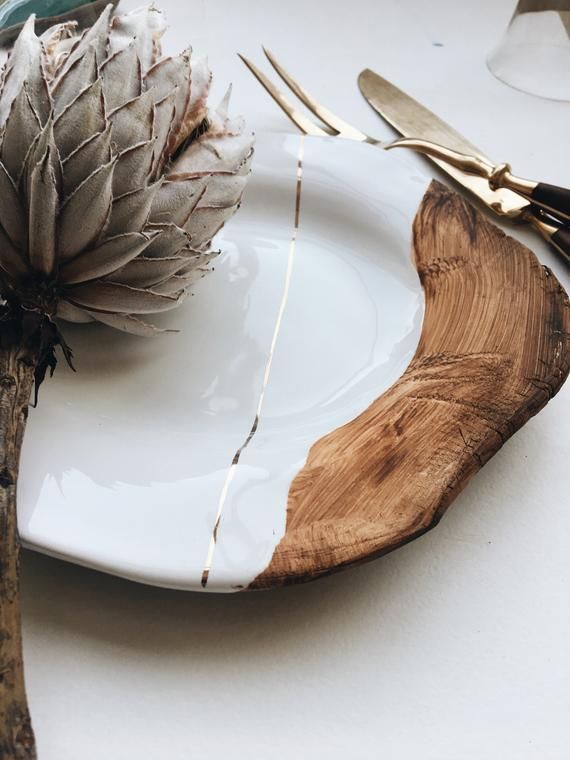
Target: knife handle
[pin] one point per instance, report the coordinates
(561, 241)
(558, 235)
(555, 200)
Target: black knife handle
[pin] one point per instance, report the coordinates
(556, 200)
(561, 240)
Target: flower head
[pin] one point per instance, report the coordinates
(114, 174)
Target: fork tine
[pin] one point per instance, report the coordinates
(343, 128)
(305, 124)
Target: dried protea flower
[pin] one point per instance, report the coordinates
(114, 176)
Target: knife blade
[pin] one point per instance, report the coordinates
(411, 119)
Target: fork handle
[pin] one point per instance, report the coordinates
(555, 200)
(558, 235)
(561, 241)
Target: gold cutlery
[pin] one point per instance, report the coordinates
(337, 126)
(544, 206)
(554, 200)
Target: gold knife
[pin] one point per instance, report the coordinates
(411, 119)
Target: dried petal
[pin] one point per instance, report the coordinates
(225, 190)
(22, 128)
(171, 240)
(82, 118)
(206, 222)
(71, 313)
(132, 123)
(96, 36)
(111, 255)
(163, 118)
(85, 159)
(129, 324)
(129, 213)
(224, 153)
(83, 72)
(224, 105)
(36, 153)
(145, 26)
(38, 89)
(11, 260)
(177, 285)
(176, 74)
(201, 77)
(175, 201)
(133, 168)
(118, 299)
(143, 272)
(56, 36)
(25, 55)
(43, 201)
(122, 77)
(78, 229)
(168, 75)
(197, 260)
(12, 218)
(219, 153)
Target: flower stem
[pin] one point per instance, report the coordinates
(18, 363)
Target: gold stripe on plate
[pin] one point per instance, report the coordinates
(266, 374)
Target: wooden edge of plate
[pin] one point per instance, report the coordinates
(494, 349)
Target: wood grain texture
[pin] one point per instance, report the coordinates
(494, 349)
(17, 366)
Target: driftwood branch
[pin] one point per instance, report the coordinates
(17, 369)
(27, 343)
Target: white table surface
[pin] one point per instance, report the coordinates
(454, 647)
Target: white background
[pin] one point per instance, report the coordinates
(454, 647)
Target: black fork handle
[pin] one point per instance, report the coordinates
(561, 241)
(553, 199)
(555, 233)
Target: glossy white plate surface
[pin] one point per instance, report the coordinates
(127, 464)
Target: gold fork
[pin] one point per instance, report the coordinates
(337, 126)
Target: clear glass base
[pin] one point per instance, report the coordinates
(534, 54)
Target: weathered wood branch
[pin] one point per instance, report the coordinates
(28, 339)
(18, 362)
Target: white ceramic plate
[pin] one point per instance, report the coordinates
(127, 464)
